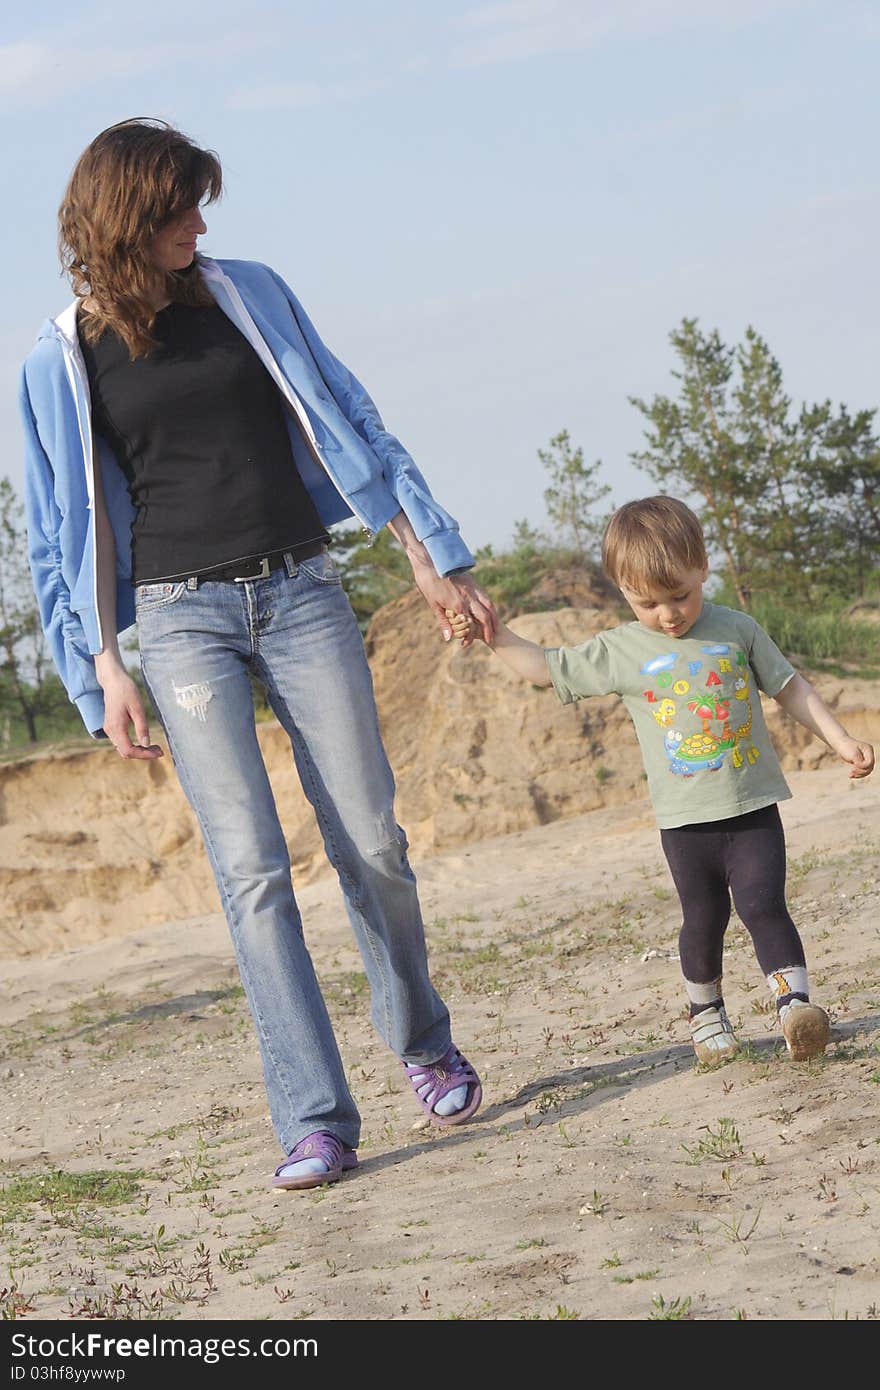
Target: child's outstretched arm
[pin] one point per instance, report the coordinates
(803, 703)
(525, 658)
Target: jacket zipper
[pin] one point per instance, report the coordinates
(76, 371)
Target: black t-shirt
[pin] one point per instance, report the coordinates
(199, 431)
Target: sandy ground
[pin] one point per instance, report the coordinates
(606, 1176)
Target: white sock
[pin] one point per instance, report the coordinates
(450, 1103)
(303, 1166)
(791, 979)
(703, 994)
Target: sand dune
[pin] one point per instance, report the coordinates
(92, 847)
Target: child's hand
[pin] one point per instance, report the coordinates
(860, 755)
(526, 658)
(462, 626)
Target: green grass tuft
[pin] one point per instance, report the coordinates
(104, 1187)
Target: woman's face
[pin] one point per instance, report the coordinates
(174, 247)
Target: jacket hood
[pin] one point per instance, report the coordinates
(63, 326)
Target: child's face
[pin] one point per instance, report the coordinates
(672, 611)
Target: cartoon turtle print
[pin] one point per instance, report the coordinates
(695, 753)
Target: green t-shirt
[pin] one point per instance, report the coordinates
(695, 706)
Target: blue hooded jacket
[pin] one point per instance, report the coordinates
(349, 462)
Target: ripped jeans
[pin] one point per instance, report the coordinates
(295, 632)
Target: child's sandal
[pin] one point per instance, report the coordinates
(806, 1029)
(713, 1037)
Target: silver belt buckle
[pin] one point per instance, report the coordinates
(263, 574)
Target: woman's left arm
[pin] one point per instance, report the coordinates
(799, 699)
(454, 592)
(438, 530)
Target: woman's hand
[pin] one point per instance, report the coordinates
(457, 593)
(123, 707)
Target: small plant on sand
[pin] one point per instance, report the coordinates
(738, 1230)
(346, 990)
(14, 1303)
(675, 1310)
(567, 1141)
(827, 1189)
(631, 1278)
(156, 1260)
(199, 1170)
(232, 1259)
(218, 1117)
(722, 1143)
(125, 1302)
(782, 1116)
(189, 1283)
(799, 866)
(549, 1100)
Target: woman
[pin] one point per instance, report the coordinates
(189, 439)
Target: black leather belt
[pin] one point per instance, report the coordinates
(261, 566)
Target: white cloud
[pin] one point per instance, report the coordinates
(37, 74)
(520, 29)
(752, 103)
(22, 65)
(290, 95)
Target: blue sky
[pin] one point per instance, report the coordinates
(495, 213)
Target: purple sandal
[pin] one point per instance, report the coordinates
(324, 1145)
(436, 1079)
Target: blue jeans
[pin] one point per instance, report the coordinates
(295, 632)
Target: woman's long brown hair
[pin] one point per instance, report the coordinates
(127, 185)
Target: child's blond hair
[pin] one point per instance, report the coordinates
(651, 543)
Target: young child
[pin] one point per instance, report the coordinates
(689, 671)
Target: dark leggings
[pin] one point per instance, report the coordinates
(744, 856)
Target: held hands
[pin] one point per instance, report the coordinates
(442, 593)
(463, 628)
(859, 755)
(458, 594)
